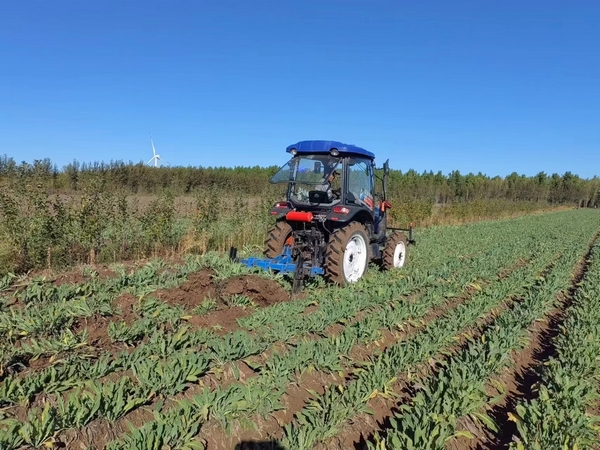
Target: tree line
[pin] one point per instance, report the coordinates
(115, 211)
(435, 188)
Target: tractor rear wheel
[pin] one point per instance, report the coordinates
(278, 237)
(347, 254)
(394, 253)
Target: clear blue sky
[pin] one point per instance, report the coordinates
(490, 86)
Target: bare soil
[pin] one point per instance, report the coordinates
(262, 291)
(97, 328)
(126, 304)
(202, 286)
(190, 294)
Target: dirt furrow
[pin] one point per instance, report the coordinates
(364, 426)
(521, 381)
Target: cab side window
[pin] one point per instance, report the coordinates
(360, 181)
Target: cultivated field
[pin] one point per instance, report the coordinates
(488, 338)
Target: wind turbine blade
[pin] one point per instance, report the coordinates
(153, 149)
(151, 159)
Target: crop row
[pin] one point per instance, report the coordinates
(268, 386)
(154, 313)
(325, 416)
(560, 416)
(229, 350)
(387, 307)
(42, 326)
(55, 308)
(316, 423)
(166, 377)
(458, 389)
(323, 354)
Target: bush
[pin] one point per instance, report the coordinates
(9, 262)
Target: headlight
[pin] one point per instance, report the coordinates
(294, 151)
(334, 152)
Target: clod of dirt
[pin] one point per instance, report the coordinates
(262, 291)
(97, 328)
(202, 285)
(223, 321)
(190, 294)
(126, 303)
(70, 278)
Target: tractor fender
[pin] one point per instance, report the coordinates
(347, 213)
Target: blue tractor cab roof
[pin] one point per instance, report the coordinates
(326, 147)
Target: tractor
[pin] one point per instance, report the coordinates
(332, 223)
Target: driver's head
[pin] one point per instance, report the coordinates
(333, 175)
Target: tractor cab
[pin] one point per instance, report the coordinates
(328, 176)
(332, 222)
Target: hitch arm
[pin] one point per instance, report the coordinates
(411, 239)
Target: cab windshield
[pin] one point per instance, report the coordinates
(307, 169)
(312, 178)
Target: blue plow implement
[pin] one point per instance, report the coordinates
(282, 263)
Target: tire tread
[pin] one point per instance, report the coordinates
(334, 253)
(390, 247)
(276, 237)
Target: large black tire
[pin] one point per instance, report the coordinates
(395, 251)
(276, 238)
(337, 249)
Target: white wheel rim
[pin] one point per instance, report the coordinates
(355, 258)
(399, 254)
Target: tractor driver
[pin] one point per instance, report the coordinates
(332, 194)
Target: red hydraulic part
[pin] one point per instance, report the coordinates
(298, 216)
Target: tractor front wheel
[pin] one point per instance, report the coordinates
(394, 253)
(278, 237)
(347, 254)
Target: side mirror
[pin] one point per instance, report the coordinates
(317, 167)
(386, 167)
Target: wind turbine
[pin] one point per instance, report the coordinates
(156, 156)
